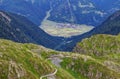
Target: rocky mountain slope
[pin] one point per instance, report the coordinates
(109, 26)
(23, 61)
(64, 18)
(34, 10)
(18, 28)
(89, 12)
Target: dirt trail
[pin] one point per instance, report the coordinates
(49, 75)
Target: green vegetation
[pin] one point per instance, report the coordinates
(64, 29)
(97, 58)
(17, 61)
(105, 49)
(100, 44)
(85, 67)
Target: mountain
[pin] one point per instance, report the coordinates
(18, 61)
(109, 26)
(23, 28)
(30, 61)
(18, 28)
(34, 10)
(105, 48)
(64, 18)
(99, 45)
(89, 12)
(66, 44)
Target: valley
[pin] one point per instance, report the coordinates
(63, 29)
(59, 39)
(84, 14)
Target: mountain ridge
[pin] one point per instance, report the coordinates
(21, 29)
(68, 11)
(107, 27)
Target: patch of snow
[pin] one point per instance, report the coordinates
(90, 5)
(113, 10)
(5, 16)
(94, 18)
(86, 12)
(100, 13)
(69, 41)
(74, 8)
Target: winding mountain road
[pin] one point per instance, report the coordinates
(49, 75)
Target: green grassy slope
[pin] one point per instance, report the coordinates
(29, 61)
(17, 61)
(104, 49)
(86, 67)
